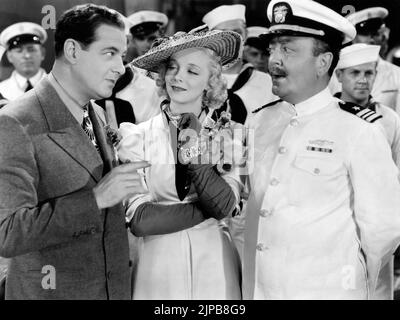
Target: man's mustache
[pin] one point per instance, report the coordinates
(276, 71)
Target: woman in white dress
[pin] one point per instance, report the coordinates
(186, 251)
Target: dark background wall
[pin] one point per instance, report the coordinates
(183, 14)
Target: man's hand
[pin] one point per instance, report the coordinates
(119, 184)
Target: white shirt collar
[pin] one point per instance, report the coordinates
(72, 105)
(21, 81)
(315, 103)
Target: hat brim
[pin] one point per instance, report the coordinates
(334, 39)
(228, 45)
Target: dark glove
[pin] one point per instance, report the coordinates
(189, 121)
(155, 219)
(190, 146)
(216, 197)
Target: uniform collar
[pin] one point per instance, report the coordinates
(372, 104)
(315, 103)
(21, 81)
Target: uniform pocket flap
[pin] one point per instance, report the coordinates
(318, 166)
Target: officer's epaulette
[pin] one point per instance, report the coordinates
(267, 105)
(361, 112)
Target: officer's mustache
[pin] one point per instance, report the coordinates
(277, 72)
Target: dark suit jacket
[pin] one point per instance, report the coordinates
(48, 213)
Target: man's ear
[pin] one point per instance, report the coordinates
(324, 63)
(71, 48)
(339, 73)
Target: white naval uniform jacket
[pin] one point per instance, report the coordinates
(14, 86)
(255, 93)
(324, 207)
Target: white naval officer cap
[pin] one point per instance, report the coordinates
(308, 18)
(224, 13)
(147, 21)
(22, 32)
(368, 20)
(357, 54)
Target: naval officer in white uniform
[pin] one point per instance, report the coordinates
(323, 214)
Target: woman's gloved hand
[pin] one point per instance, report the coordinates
(189, 139)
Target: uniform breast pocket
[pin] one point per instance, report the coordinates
(316, 181)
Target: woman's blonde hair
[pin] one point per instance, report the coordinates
(216, 92)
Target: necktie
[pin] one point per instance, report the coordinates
(28, 85)
(87, 126)
(182, 181)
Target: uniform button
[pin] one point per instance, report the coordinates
(317, 171)
(266, 212)
(261, 247)
(282, 150)
(274, 182)
(294, 122)
(109, 275)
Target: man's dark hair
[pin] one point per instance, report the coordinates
(81, 22)
(321, 46)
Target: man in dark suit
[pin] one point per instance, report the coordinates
(61, 217)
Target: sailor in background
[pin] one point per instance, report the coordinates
(135, 96)
(24, 43)
(255, 50)
(356, 71)
(247, 88)
(371, 29)
(145, 27)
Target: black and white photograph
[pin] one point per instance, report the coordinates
(199, 154)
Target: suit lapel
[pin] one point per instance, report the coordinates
(106, 149)
(66, 132)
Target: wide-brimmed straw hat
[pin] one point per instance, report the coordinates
(228, 45)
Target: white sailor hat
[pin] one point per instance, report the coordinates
(368, 20)
(147, 21)
(255, 32)
(309, 18)
(253, 38)
(224, 13)
(357, 54)
(127, 23)
(22, 32)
